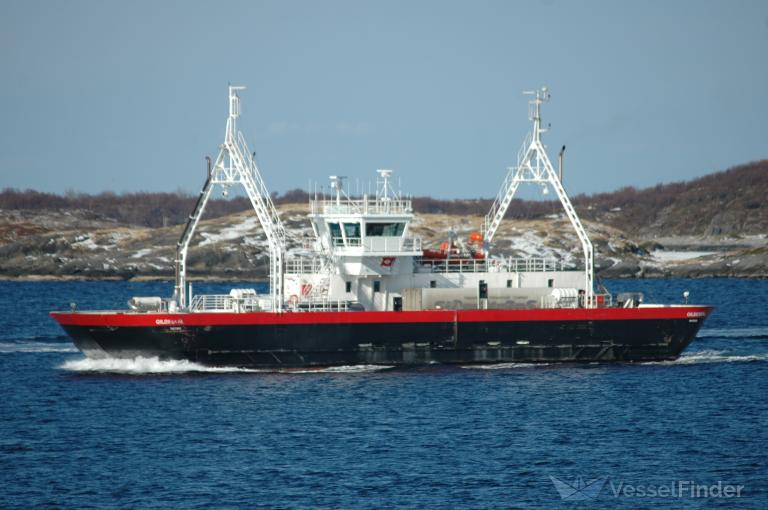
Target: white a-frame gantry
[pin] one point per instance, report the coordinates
(236, 165)
(534, 166)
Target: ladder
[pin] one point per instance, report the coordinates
(534, 166)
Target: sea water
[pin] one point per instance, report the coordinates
(147, 433)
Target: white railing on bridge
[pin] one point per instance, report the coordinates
(361, 206)
(410, 245)
(392, 244)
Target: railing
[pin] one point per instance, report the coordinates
(502, 195)
(353, 242)
(392, 244)
(381, 244)
(369, 206)
(513, 265)
(261, 187)
(227, 303)
(533, 265)
(602, 300)
(599, 300)
(306, 265)
(453, 266)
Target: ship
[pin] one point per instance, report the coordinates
(364, 291)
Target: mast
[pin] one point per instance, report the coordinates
(235, 164)
(534, 166)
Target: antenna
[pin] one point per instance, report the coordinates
(534, 110)
(385, 175)
(234, 100)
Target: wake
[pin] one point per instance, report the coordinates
(503, 366)
(12, 347)
(154, 365)
(713, 356)
(754, 333)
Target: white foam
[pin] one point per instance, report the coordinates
(344, 369)
(712, 356)
(140, 365)
(501, 366)
(11, 347)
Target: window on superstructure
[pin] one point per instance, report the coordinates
(352, 232)
(348, 287)
(377, 285)
(335, 229)
(384, 229)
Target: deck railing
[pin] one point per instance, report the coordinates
(306, 265)
(515, 265)
(389, 244)
(227, 303)
(360, 206)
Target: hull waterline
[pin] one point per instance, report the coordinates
(314, 339)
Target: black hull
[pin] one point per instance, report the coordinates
(395, 344)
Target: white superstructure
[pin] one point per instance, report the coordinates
(363, 255)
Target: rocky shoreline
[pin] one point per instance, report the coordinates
(78, 245)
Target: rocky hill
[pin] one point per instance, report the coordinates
(723, 204)
(712, 226)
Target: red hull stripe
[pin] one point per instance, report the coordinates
(128, 319)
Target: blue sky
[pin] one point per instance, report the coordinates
(128, 96)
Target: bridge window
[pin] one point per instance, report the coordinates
(336, 238)
(335, 229)
(384, 229)
(352, 230)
